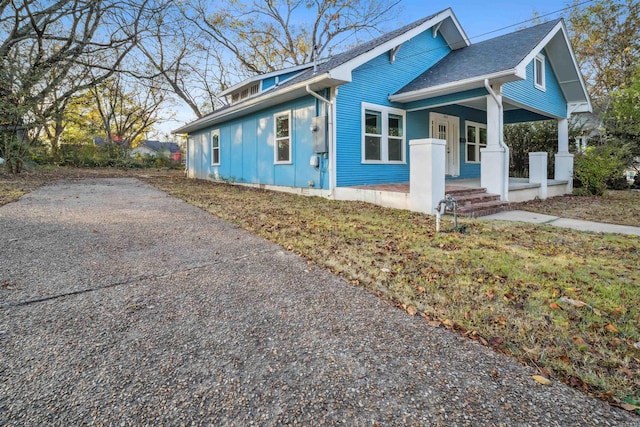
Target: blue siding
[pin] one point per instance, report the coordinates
(550, 101)
(268, 82)
(373, 82)
(271, 81)
(246, 149)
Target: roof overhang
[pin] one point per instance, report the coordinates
(459, 86)
(448, 26)
(260, 77)
(266, 100)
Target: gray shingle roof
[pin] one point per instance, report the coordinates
(171, 147)
(490, 56)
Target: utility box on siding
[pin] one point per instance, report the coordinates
(319, 131)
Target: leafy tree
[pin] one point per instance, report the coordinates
(623, 118)
(51, 50)
(604, 36)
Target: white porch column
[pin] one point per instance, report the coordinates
(564, 159)
(426, 174)
(494, 169)
(538, 171)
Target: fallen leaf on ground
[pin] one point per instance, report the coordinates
(578, 340)
(447, 322)
(490, 294)
(628, 406)
(611, 328)
(555, 306)
(574, 302)
(509, 296)
(412, 310)
(541, 380)
(637, 345)
(434, 323)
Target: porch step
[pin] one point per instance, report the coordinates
(476, 202)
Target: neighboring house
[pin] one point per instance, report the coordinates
(169, 150)
(418, 106)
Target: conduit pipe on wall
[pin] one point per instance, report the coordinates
(329, 133)
(505, 184)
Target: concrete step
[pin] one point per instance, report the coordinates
(484, 208)
(463, 191)
(475, 198)
(475, 202)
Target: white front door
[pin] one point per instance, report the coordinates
(446, 127)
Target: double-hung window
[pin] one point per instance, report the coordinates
(539, 71)
(282, 146)
(215, 147)
(476, 140)
(383, 130)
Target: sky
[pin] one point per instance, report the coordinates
(479, 19)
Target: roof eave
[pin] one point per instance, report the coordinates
(447, 88)
(259, 77)
(257, 103)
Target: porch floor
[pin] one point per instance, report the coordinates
(457, 184)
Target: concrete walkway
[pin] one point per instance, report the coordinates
(576, 224)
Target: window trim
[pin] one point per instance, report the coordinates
(542, 60)
(478, 145)
(276, 139)
(384, 137)
(214, 132)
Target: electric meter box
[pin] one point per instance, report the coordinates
(319, 131)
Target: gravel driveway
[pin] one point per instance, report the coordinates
(121, 305)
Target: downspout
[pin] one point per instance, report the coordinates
(330, 105)
(505, 183)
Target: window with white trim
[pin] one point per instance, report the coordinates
(215, 147)
(476, 140)
(539, 71)
(282, 146)
(383, 134)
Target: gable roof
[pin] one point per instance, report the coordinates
(335, 70)
(158, 146)
(503, 59)
(486, 58)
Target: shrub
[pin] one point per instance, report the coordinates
(597, 166)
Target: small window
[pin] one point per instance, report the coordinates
(476, 141)
(253, 90)
(235, 97)
(283, 137)
(372, 135)
(382, 134)
(539, 71)
(215, 147)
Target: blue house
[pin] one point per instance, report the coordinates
(399, 120)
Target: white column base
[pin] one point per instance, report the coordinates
(427, 162)
(538, 171)
(492, 173)
(564, 169)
